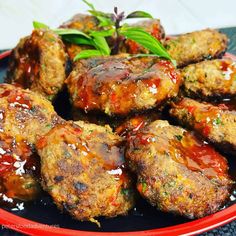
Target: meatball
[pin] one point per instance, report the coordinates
(196, 46)
(177, 172)
(84, 23)
(210, 79)
(82, 167)
(153, 27)
(25, 114)
(118, 85)
(38, 63)
(19, 171)
(215, 123)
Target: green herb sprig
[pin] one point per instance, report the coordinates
(94, 39)
(111, 22)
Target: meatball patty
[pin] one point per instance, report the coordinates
(196, 46)
(210, 79)
(216, 123)
(120, 84)
(177, 172)
(83, 170)
(38, 63)
(25, 114)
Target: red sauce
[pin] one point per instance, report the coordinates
(19, 100)
(6, 164)
(224, 65)
(152, 83)
(5, 93)
(156, 32)
(191, 109)
(131, 125)
(199, 156)
(142, 138)
(41, 143)
(133, 47)
(170, 70)
(16, 159)
(204, 127)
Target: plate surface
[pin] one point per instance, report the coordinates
(42, 217)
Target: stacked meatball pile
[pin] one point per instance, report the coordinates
(92, 170)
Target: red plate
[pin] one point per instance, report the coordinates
(23, 225)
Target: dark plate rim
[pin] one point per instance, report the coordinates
(210, 222)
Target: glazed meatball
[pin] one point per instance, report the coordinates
(82, 167)
(38, 63)
(196, 46)
(118, 85)
(84, 23)
(210, 79)
(215, 123)
(19, 171)
(177, 172)
(25, 114)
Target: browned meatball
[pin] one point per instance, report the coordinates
(38, 63)
(177, 172)
(83, 170)
(216, 123)
(120, 84)
(196, 46)
(19, 170)
(25, 114)
(210, 79)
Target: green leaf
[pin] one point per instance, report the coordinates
(87, 53)
(70, 31)
(101, 44)
(103, 33)
(75, 39)
(139, 14)
(100, 13)
(39, 25)
(89, 4)
(146, 40)
(104, 21)
(104, 18)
